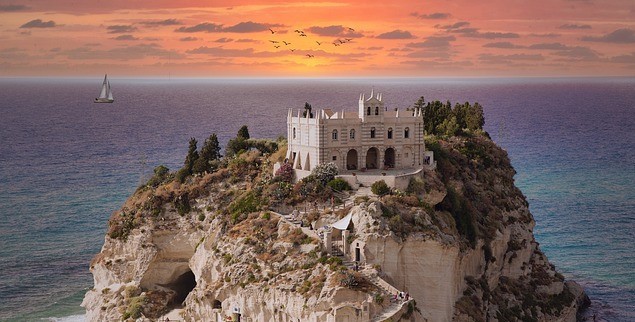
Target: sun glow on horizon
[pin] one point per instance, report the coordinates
(348, 38)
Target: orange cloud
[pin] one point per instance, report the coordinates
(317, 38)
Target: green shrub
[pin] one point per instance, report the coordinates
(339, 184)
(380, 188)
(182, 204)
(135, 307)
(161, 175)
(246, 204)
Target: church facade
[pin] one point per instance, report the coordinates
(373, 138)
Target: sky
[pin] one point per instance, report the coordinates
(348, 38)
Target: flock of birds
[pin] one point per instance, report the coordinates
(277, 44)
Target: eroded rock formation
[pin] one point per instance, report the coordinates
(461, 245)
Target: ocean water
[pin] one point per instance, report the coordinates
(66, 164)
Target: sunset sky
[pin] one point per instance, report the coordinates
(232, 38)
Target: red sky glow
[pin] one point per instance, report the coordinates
(349, 38)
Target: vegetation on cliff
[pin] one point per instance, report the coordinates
(468, 201)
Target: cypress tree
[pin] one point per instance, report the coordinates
(191, 157)
(243, 133)
(209, 152)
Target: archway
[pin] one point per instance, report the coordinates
(351, 160)
(389, 158)
(372, 158)
(183, 285)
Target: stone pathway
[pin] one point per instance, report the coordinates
(388, 289)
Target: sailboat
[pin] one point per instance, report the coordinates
(106, 93)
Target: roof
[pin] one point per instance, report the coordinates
(343, 223)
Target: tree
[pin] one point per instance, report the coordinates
(209, 152)
(307, 110)
(380, 188)
(475, 119)
(243, 133)
(191, 157)
(421, 103)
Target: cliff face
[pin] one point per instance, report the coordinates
(463, 249)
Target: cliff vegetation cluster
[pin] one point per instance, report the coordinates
(216, 235)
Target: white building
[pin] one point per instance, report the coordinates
(375, 137)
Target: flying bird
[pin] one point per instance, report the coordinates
(302, 35)
(292, 50)
(310, 56)
(272, 32)
(286, 43)
(350, 29)
(341, 42)
(274, 41)
(349, 39)
(276, 46)
(299, 31)
(319, 43)
(336, 44)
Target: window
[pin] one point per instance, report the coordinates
(368, 111)
(376, 110)
(406, 133)
(372, 132)
(390, 132)
(334, 135)
(352, 134)
(294, 132)
(335, 158)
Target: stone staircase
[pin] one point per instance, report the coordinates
(395, 306)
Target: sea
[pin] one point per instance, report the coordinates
(67, 163)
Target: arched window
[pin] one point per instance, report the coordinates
(294, 132)
(376, 110)
(406, 133)
(390, 132)
(353, 134)
(368, 111)
(372, 132)
(334, 135)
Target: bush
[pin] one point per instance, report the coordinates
(161, 175)
(325, 172)
(285, 173)
(339, 184)
(246, 204)
(380, 188)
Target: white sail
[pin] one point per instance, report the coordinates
(104, 88)
(109, 92)
(105, 96)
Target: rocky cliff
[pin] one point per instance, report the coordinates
(216, 246)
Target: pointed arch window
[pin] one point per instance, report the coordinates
(352, 135)
(372, 132)
(334, 135)
(376, 110)
(390, 132)
(368, 111)
(294, 132)
(406, 132)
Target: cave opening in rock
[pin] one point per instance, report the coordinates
(183, 285)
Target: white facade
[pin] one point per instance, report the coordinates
(372, 138)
